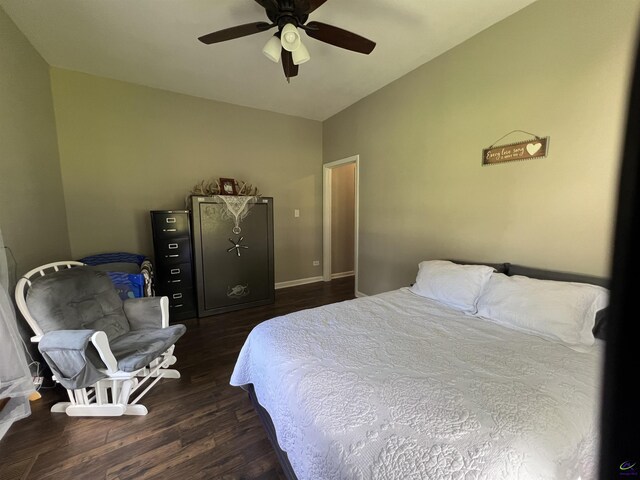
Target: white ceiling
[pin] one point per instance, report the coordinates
(154, 43)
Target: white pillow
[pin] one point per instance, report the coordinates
(564, 311)
(457, 286)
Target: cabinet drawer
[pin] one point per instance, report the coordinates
(172, 251)
(169, 290)
(181, 304)
(175, 275)
(170, 224)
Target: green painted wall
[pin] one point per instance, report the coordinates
(126, 149)
(32, 209)
(557, 68)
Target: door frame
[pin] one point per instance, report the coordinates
(326, 216)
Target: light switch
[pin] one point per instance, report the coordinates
(296, 213)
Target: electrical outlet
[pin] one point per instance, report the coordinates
(296, 213)
(37, 380)
(316, 263)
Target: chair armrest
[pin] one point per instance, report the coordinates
(66, 353)
(147, 312)
(101, 342)
(66, 339)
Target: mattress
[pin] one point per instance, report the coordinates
(396, 386)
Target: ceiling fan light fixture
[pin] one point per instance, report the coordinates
(289, 16)
(290, 37)
(272, 49)
(300, 55)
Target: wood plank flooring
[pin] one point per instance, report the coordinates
(197, 427)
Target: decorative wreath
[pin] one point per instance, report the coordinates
(211, 188)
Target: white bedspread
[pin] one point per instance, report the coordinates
(395, 386)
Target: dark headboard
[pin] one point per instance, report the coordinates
(499, 267)
(540, 274)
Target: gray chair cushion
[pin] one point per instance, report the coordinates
(138, 348)
(143, 313)
(75, 299)
(72, 357)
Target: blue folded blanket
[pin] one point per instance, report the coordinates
(126, 272)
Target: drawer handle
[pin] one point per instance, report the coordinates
(177, 295)
(172, 246)
(175, 271)
(175, 281)
(173, 256)
(169, 229)
(170, 220)
(178, 306)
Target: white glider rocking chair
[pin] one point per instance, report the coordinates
(101, 349)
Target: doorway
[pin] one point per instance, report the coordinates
(341, 219)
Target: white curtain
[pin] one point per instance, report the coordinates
(15, 379)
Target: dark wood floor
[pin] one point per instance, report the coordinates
(197, 427)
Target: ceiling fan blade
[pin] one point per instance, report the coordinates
(235, 32)
(290, 68)
(339, 37)
(305, 7)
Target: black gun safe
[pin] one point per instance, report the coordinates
(233, 253)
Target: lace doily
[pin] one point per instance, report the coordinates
(237, 208)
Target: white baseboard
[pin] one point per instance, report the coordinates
(342, 275)
(360, 294)
(300, 281)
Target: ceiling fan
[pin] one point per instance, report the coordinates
(286, 44)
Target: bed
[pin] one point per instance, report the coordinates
(130, 273)
(399, 386)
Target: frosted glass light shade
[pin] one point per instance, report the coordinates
(272, 49)
(300, 54)
(290, 37)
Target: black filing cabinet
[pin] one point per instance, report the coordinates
(173, 261)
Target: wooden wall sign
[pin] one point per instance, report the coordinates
(536, 148)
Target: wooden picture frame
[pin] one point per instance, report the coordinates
(228, 186)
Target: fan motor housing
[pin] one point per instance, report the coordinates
(286, 14)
